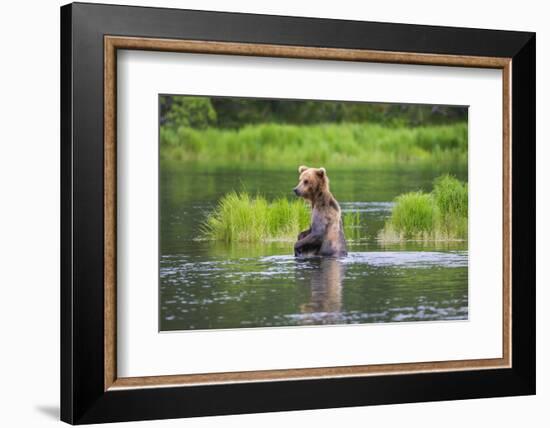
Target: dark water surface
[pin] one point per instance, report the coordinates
(212, 285)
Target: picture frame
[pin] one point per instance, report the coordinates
(91, 391)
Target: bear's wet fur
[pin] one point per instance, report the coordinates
(325, 236)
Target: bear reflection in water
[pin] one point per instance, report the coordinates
(325, 304)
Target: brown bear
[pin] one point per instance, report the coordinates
(325, 237)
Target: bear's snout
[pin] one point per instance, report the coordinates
(296, 191)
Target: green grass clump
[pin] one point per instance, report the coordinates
(413, 213)
(345, 144)
(439, 215)
(451, 201)
(238, 217)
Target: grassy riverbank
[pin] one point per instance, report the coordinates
(239, 217)
(439, 215)
(330, 145)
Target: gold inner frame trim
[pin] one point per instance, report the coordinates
(113, 43)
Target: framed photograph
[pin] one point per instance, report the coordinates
(266, 213)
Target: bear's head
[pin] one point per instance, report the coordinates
(313, 183)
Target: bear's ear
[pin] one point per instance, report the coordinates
(302, 168)
(321, 172)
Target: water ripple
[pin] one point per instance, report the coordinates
(366, 207)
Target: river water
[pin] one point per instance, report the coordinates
(212, 285)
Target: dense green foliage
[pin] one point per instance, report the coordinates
(230, 112)
(330, 145)
(191, 112)
(439, 215)
(240, 217)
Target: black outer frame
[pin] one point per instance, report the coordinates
(83, 399)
